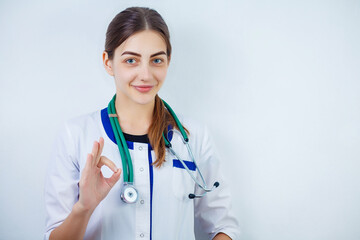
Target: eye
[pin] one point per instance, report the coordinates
(157, 61)
(131, 61)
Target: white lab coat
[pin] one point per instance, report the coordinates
(163, 209)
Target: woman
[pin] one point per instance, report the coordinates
(87, 197)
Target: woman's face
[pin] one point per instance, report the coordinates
(139, 66)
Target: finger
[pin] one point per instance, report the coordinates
(88, 162)
(89, 159)
(94, 151)
(101, 143)
(114, 178)
(107, 162)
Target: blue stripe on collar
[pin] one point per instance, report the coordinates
(108, 129)
(170, 134)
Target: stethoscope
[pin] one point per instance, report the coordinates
(129, 193)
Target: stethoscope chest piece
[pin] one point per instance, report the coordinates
(128, 193)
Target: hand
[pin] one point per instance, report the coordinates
(94, 187)
(221, 236)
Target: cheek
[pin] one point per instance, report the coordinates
(123, 76)
(161, 74)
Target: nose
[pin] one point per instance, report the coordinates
(145, 72)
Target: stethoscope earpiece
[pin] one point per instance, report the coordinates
(192, 195)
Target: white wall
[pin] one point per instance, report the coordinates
(276, 81)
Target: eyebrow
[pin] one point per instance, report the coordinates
(139, 55)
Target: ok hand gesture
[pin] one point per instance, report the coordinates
(94, 187)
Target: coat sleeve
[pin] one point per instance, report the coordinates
(61, 183)
(213, 213)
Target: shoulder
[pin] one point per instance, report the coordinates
(192, 125)
(83, 122)
(76, 128)
(199, 131)
(72, 132)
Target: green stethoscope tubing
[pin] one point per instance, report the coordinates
(125, 155)
(121, 142)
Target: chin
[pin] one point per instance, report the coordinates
(144, 100)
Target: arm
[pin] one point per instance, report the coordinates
(74, 225)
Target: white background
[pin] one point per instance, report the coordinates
(276, 81)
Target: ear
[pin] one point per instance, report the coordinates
(107, 63)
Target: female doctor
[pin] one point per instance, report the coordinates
(150, 175)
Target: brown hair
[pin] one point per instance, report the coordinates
(125, 24)
(132, 20)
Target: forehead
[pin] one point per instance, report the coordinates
(145, 42)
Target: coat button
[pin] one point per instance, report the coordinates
(142, 201)
(141, 169)
(141, 235)
(140, 148)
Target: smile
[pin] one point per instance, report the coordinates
(143, 88)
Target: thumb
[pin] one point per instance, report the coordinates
(114, 178)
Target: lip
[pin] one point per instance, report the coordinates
(143, 88)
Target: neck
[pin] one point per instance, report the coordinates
(134, 118)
